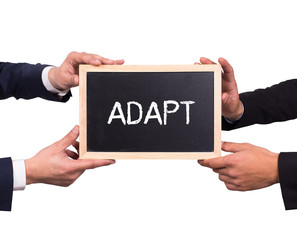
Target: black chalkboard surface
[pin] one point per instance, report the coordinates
(150, 111)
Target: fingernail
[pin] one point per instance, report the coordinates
(96, 62)
(112, 161)
(226, 98)
(75, 129)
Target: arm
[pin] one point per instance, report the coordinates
(58, 165)
(273, 104)
(250, 167)
(232, 107)
(287, 167)
(54, 165)
(262, 106)
(23, 80)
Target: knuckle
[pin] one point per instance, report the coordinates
(221, 177)
(68, 182)
(231, 69)
(238, 182)
(229, 162)
(246, 145)
(92, 165)
(233, 173)
(65, 184)
(243, 189)
(229, 187)
(72, 54)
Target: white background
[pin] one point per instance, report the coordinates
(168, 199)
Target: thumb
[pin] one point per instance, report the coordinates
(233, 147)
(74, 80)
(69, 138)
(225, 97)
(84, 164)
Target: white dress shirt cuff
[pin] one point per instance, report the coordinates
(19, 174)
(47, 84)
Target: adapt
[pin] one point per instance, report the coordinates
(169, 107)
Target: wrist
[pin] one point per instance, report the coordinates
(53, 76)
(237, 114)
(276, 172)
(29, 172)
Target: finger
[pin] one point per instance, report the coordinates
(204, 60)
(213, 163)
(83, 164)
(232, 187)
(108, 61)
(226, 179)
(226, 65)
(119, 62)
(69, 138)
(234, 147)
(227, 69)
(76, 58)
(225, 97)
(74, 80)
(104, 60)
(75, 144)
(71, 154)
(223, 171)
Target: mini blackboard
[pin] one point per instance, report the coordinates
(143, 112)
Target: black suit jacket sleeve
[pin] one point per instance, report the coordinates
(6, 184)
(274, 104)
(20, 80)
(23, 80)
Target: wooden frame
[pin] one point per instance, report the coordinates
(84, 154)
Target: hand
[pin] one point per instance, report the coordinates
(66, 76)
(248, 168)
(57, 165)
(231, 105)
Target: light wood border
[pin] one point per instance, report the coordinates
(83, 69)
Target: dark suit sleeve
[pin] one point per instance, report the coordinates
(274, 104)
(6, 184)
(287, 167)
(22, 80)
